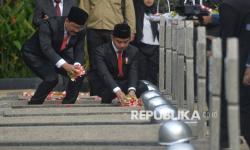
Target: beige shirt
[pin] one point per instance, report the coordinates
(104, 14)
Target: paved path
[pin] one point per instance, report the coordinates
(87, 125)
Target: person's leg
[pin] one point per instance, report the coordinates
(224, 143)
(95, 38)
(141, 88)
(153, 65)
(73, 87)
(148, 62)
(245, 123)
(46, 72)
(107, 94)
(106, 36)
(94, 84)
(72, 91)
(245, 112)
(43, 90)
(142, 66)
(65, 82)
(142, 61)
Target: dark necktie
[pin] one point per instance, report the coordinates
(65, 42)
(120, 71)
(58, 10)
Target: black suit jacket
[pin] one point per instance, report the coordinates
(46, 7)
(107, 65)
(235, 22)
(46, 42)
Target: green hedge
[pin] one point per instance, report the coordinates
(15, 28)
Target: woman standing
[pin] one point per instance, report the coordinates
(147, 40)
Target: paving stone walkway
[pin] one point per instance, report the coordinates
(87, 125)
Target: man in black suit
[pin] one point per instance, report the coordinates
(57, 47)
(235, 22)
(117, 66)
(45, 9)
(49, 8)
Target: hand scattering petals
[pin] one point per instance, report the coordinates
(80, 71)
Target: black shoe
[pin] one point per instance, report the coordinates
(34, 102)
(68, 102)
(106, 102)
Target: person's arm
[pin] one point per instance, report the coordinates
(38, 14)
(103, 71)
(46, 44)
(130, 14)
(48, 50)
(215, 19)
(85, 5)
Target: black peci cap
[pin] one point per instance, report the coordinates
(77, 15)
(122, 31)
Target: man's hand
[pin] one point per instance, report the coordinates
(80, 69)
(74, 71)
(120, 95)
(132, 94)
(207, 20)
(45, 17)
(246, 78)
(69, 68)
